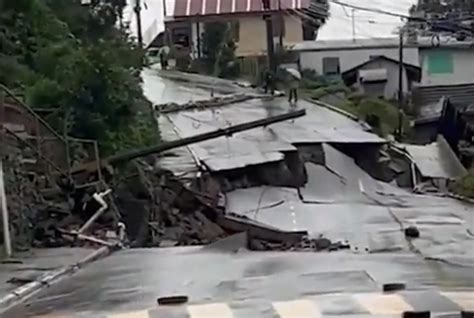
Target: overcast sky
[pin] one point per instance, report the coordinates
(339, 25)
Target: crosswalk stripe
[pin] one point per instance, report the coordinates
(219, 310)
(465, 300)
(378, 304)
(297, 309)
(134, 314)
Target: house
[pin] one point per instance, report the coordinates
(446, 61)
(290, 24)
(379, 77)
(334, 57)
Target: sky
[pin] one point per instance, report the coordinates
(367, 24)
(339, 25)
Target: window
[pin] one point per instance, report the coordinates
(440, 62)
(331, 66)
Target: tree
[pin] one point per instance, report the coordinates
(74, 59)
(219, 49)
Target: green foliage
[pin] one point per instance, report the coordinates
(442, 6)
(380, 114)
(219, 48)
(327, 90)
(73, 58)
(465, 186)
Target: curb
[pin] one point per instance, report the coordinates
(27, 290)
(333, 108)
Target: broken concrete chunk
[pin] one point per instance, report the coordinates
(412, 232)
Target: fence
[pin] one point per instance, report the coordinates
(44, 149)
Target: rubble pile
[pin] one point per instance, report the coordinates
(159, 210)
(305, 245)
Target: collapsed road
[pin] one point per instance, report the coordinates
(319, 183)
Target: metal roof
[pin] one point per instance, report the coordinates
(372, 43)
(190, 8)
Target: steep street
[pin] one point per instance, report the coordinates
(225, 279)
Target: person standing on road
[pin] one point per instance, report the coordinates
(293, 85)
(269, 83)
(293, 93)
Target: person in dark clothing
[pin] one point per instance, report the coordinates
(269, 83)
(293, 95)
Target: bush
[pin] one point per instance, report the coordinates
(324, 91)
(465, 186)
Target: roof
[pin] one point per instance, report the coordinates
(350, 76)
(375, 43)
(459, 95)
(193, 8)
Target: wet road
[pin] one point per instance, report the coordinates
(251, 284)
(285, 284)
(161, 91)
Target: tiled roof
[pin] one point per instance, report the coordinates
(189, 8)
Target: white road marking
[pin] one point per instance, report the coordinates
(134, 314)
(465, 300)
(219, 310)
(379, 304)
(297, 309)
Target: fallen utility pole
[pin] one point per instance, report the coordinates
(229, 131)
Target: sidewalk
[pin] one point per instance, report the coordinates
(36, 263)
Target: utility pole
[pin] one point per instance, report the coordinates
(267, 16)
(353, 26)
(3, 197)
(282, 23)
(400, 87)
(138, 9)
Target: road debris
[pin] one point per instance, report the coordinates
(412, 232)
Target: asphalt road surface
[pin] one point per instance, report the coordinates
(254, 284)
(437, 269)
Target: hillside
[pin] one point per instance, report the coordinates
(75, 61)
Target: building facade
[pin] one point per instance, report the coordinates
(379, 77)
(337, 57)
(448, 64)
(188, 22)
(443, 61)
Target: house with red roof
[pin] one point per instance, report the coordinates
(293, 22)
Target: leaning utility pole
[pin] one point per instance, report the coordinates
(165, 146)
(138, 9)
(267, 16)
(400, 87)
(3, 197)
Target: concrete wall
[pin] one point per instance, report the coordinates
(391, 87)
(463, 72)
(253, 34)
(349, 58)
